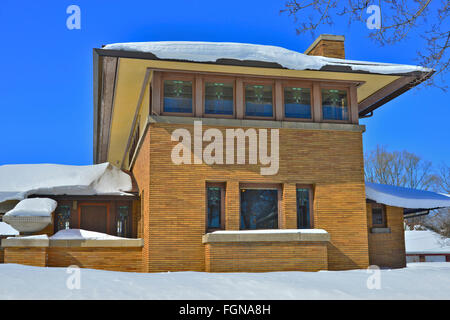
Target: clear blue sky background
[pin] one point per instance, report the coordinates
(46, 100)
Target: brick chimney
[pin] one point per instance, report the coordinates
(327, 45)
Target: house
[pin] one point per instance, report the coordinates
(244, 158)
(426, 246)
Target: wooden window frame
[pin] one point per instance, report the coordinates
(297, 84)
(247, 81)
(222, 186)
(383, 215)
(98, 204)
(263, 186)
(310, 187)
(181, 77)
(220, 79)
(329, 86)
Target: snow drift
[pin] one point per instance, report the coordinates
(34, 207)
(214, 51)
(425, 241)
(19, 181)
(80, 234)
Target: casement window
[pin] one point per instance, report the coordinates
(297, 103)
(215, 206)
(259, 207)
(304, 205)
(177, 96)
(335, 104)
(378, 215)
(62, 218)
(219, 98)
(122, 221)
(259, 100)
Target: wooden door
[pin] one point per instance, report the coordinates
(94, 216)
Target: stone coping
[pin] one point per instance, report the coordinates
(259, 123)
(75, 243)
(287, 235)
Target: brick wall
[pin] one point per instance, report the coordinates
(329, 48)
(32, 256)
(114, 259)
(174, 205)
(266, 256)
(388, 249)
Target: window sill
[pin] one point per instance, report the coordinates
(276, 235)
(380, 230)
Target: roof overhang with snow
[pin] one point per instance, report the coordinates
(120, 65)
(405, 197)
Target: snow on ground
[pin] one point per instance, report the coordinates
(212, 51)
(7, 230)
(80, 234)
(426, 241)
(18, 181)
(34, 207)
(417, 281)
(406, 197)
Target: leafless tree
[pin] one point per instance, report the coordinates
(397, 168)
(426, 19)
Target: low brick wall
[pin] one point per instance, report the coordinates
(265, 253)
(113, 255)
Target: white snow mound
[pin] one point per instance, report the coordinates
(19, 181)
(426, 241)
(7, 230)
(80, 234)
(212, 51)
(34, 207)
(406, 197)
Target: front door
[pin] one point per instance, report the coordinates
(94, 216)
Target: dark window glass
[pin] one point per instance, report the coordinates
(258, 101)
(297, 103)
(377, 216)
(303, 206)
(122, 221)
(259, 209)
(214, 195)
(334, 104)
(63, 218)
(218, 98)
(178, 96)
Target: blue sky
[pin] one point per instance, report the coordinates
(46, 100)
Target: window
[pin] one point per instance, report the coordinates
(63, 218)
(122, 221)
(177, 96)
(259, 208)
(303, 208)
(215, 198)
(378, 215)
(219, 98)
(258, 101)
(335, 104)
(297, 103)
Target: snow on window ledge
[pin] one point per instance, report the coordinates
(274, 235)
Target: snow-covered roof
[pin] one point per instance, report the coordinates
(34, 207)
(19, 181)
(426, 241)
(406, 197)
(7, 230)
(214, 51)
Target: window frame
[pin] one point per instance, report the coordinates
(311, 203)
(349, 104)
(180, 77)
(222, 186)
(297, 84)
(221, 79)
(248, 81)
(383, 215)
(263, 186)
